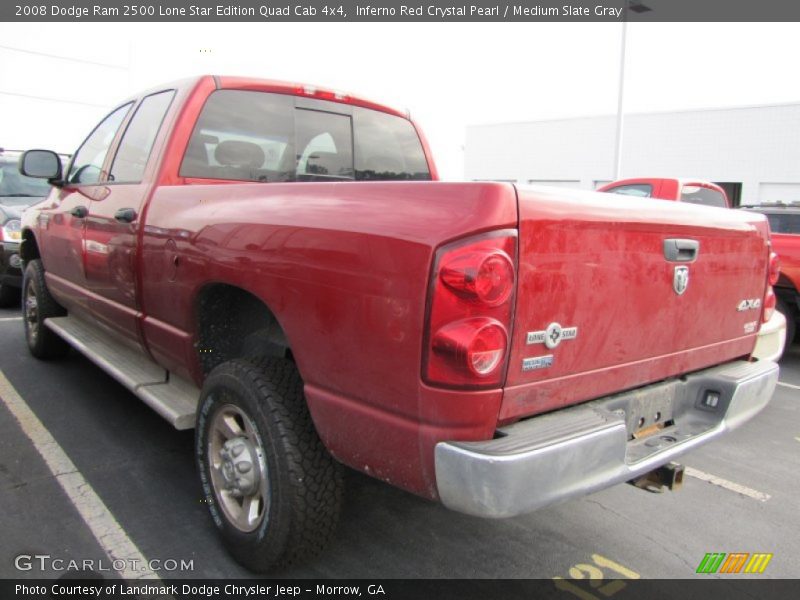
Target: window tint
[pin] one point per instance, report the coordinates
(324, 144)
(784, 223)
(137, 141)
(695, 194)
(387, 147)
(87, 165)
(640, 190)
(258, 136)
(246, 136)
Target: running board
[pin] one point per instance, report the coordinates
(173, 398)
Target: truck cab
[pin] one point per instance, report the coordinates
(693, 191)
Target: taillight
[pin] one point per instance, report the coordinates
(769, 304)
(469, 312)
(482, 277)
(774, 268)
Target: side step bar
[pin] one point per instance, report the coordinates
(170, 396)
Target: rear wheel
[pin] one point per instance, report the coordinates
(273, 490)
(38, 306)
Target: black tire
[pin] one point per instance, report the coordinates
(9, 296)
(791, 323)
(38, 306)
(257, 408)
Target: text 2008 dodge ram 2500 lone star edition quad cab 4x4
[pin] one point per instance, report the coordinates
(266, 262)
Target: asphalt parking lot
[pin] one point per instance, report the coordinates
(741, 496)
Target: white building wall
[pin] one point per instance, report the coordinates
(756, 146)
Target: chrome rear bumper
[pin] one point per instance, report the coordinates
(577, 451)
(771, 338)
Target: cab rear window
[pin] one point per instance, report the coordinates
(697, 194)
(258, 136)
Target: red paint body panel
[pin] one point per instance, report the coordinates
(596, 262)
(346, 269)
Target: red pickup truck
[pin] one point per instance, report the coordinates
(276, 266)
(784, 220)
(693, 191)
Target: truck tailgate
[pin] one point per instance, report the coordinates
(601, 307)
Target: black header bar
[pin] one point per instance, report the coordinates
(475, 11)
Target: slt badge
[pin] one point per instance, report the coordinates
(553, 335)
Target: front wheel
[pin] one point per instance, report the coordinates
(38, 306)
(273, 490)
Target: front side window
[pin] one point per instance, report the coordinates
(697, 194)
(87, 166)
(258, 136)
(137, 141)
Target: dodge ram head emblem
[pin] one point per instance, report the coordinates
(681, 280)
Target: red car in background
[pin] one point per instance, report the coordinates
(683, 190)
(784, 221)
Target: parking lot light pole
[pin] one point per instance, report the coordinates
(636, 7)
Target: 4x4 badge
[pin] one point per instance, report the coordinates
(680, 281)
(553, 335)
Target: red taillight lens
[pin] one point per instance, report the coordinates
(774, 268)
(469, 318)
(478, 345)
(769, 304)
(481, 277)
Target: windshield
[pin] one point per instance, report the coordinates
(17, 189)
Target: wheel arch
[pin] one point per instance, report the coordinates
(232, 322)
(29, 247)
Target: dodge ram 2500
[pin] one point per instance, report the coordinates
(276, 266)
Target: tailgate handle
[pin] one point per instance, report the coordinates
(676, 250)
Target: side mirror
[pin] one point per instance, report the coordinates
(42, 164)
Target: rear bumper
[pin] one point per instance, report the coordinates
(576, 451)
(771, 338)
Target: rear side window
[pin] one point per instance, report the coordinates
(87, 166)
(258, 136)
(137, 141)
(640, 190)
(696, 194)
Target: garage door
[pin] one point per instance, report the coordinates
(773, 192)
